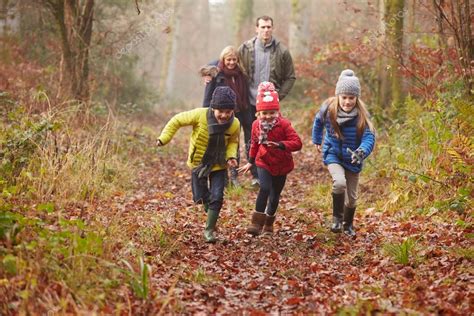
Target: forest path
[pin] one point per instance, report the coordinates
(301, 268)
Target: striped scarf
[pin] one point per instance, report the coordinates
(265, 127)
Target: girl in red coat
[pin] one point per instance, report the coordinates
(273, 140)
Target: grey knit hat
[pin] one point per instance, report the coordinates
(348, 83)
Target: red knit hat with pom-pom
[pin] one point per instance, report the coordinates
(267, 97)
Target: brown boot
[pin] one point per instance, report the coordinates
(268, 227)
(258, 220)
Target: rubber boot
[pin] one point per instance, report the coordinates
(337, 212)
(348, 221)
(210, 229)
(258, 220)
(268, 226)
(233, 177)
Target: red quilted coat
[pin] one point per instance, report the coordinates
(276, 160)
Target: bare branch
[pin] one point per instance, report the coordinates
(138, 9)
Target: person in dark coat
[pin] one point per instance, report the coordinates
(226, 72)
(349, 139)
(273, 140)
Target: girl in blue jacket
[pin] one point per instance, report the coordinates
(349, 139)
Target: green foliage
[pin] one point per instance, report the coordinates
(234, 193)
(9, 263)
(403, 253)
(139, 281)
(431, 165)
(20, 137)
(50, 157)
(467, 253)
(200, 276)
(11, 225)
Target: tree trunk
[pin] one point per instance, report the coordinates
(299, 27)
(442, 42)
(383, 95)
(204, 15)
(394, 17)
(468, 44)
(74, 19)
(243, 20)
(170, 54)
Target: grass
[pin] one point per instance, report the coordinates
(51, 257)
(465, 253)
(200, 276)
(404, 252)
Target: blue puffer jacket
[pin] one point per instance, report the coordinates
(335, 150)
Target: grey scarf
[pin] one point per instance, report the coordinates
(215, 151)
(344, 117)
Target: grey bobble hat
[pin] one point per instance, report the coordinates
(223, 98)
(348, 83)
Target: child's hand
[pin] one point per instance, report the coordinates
(357, 156)
(206, 79)
(318, 148)
(159, 143)
(232, 163)
(245, 168)
(272, 144)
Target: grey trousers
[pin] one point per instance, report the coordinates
(344, 181)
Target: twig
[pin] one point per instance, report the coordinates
(422, 175)
(138, 9)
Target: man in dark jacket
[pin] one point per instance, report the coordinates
(264, 58)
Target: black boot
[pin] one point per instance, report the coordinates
(348, 220)
(337, 210)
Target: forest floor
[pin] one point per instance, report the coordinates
(302, 268)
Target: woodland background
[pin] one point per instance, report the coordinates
(95, 219)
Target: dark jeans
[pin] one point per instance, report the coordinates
(213, 196)
(270, 190)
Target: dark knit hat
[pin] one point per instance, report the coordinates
(267, 97)
(223, 98)
(348, 83)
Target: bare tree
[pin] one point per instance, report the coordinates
(455, 16)
(74, 20)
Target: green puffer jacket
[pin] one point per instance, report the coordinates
(282, 71)
(199, 137)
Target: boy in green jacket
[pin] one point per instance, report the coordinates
(213, 147)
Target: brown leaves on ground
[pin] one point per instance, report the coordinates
(302, 268)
